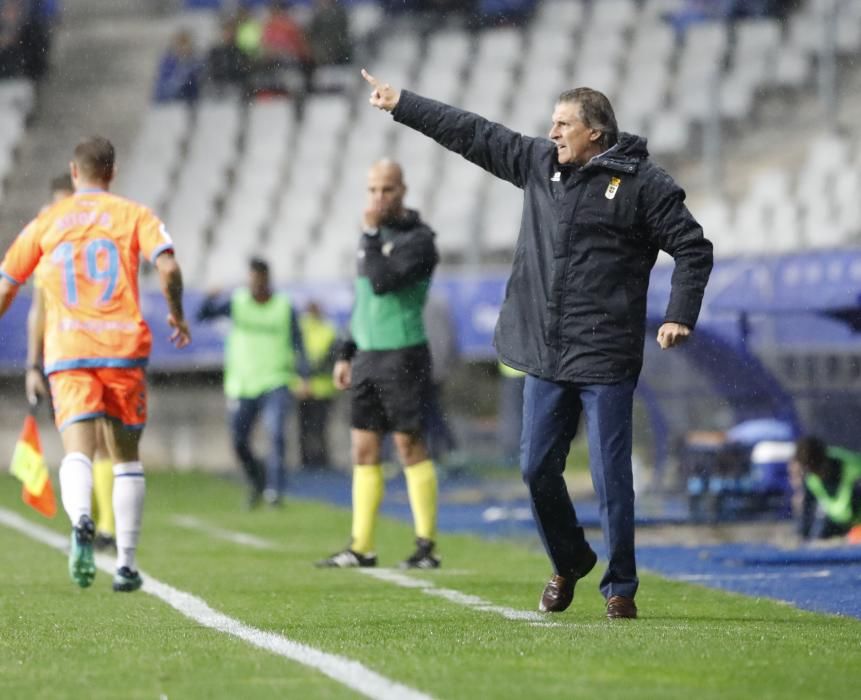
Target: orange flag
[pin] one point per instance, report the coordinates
(28, 465)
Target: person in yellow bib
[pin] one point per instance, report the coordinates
(830, 488)
(319, 335)
(37, 389)
(263, 354)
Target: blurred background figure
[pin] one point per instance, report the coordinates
(828, 489)
(329, 34)
(180, 71)
(442, 341)
(227, 67)
(319, 335)
(263, 354)
(510, 420)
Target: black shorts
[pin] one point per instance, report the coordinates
(391, 390)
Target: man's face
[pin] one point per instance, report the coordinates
(575, 142)
(259, 284)
(386, 192)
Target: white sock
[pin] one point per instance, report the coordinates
(76, 485)
(129, 490)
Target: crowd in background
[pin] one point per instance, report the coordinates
(272, 52)
(25, 37)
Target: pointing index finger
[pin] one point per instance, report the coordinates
(370, 78)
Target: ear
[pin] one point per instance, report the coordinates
(595, 135)
(73, 170)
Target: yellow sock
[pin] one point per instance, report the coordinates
(422, 490)
(368, 487)
(103, 490)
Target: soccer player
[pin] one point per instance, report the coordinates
(387, 365)
(36, 389)
(96, 341)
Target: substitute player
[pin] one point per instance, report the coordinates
(96, 341)
(36, 389)
(387, 366)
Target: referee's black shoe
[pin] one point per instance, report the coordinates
(423, 557)
(347, 559)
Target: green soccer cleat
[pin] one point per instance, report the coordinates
(126, 580)
(82, 565)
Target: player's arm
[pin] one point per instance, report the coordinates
(342, 372)
(34, 380)
(8, 292)
(20, 261)
(496, 148)
(394, 265)
(170, 276)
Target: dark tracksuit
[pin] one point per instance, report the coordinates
(574, 315)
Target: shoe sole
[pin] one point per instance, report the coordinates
(128, 586)
(82, 565)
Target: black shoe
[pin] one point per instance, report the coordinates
(104, 542)
(255, 498)
(423, 557)
(347, 559)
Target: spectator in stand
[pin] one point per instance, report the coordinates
(226, 65)
(502, 12)
(179, 72)
(249, 33)
(283, 41)
(329, 34)
(24, 40)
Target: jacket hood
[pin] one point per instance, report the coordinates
(626, 155)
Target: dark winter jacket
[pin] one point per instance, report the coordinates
(575, 304)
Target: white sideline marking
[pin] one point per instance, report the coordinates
(759, 576)
(350, 673)
(453, 596)
(243, 538)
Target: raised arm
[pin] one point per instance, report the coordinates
(170, 276)
(391, 266)
(499, 150)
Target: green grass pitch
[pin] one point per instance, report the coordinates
(57, 641)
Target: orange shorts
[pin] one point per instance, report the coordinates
(111, 392)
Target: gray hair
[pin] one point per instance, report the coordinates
(596, 112)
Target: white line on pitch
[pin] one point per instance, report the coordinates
(758, 576)
(453, 596)
(243, 538)
(346, 671)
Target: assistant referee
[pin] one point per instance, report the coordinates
(387, 366)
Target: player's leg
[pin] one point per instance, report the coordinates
(126, 409)
(103, 486)
(276, 407)
(77, 397)
(242, 415)
(368, 421)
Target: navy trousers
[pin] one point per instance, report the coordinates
(551, 412)
(275, 406)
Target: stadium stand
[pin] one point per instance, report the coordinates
(270, 175)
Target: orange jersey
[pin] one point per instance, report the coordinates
(89, 246)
